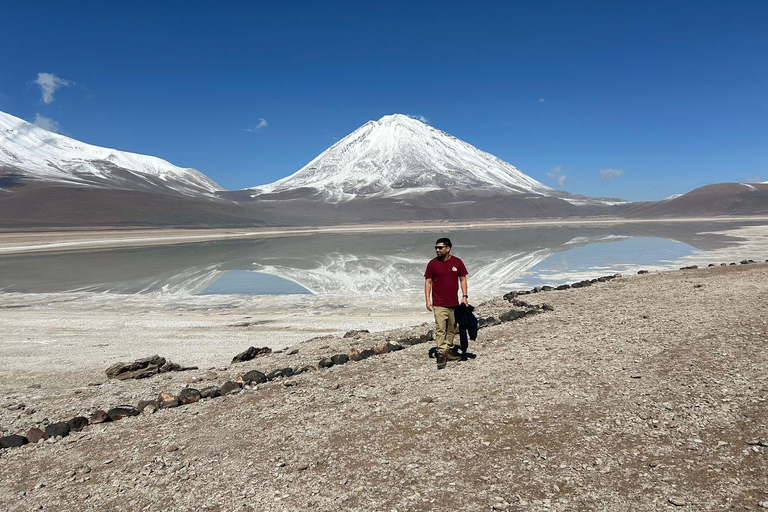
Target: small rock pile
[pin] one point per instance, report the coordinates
(143, 368)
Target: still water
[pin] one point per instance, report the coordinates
(384, 265)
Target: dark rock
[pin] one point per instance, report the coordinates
(393, 346)
(354, 355)
(274, 374)
(146, 403)
(35, 434)
(642, 271)
(77, 423)
(99, 416)
(510, 315)
(189, 396)
(340, 359)
(365, 354)
(711, 265)
(13, 441)
(563, 287)
(169, 404)
(255, 376)
(523, 292)
(536, 289)
(287, 372)
(546, 288)
(731, 264)
(547, 307)
(430, 335)
(690, 267)
(139, 374)
(210, 392)
(230, 387)
(353, 333)
(251, 353)
(57, 429)
(581, 284)
(744, 262)
(325, 362)
(137, 367)
(509, 296)
(122, 411)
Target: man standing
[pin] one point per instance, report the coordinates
(443, 276)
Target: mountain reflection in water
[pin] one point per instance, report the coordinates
(369, 264)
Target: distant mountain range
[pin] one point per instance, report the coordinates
(393, 169)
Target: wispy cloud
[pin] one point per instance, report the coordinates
(259, 126)
(46, 123)
(557, 175)
(542, 100)
(419, 117)
(49, 84)
(609, 174)
(754, 179)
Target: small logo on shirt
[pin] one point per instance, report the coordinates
(455, 269)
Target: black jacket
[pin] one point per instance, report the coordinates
(467, 324)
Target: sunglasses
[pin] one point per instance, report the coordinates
(440, 247)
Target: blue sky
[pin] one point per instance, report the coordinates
(638, 100)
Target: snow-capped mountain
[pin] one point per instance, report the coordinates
(29, 152)
(398, 155)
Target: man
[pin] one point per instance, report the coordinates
(443, 276)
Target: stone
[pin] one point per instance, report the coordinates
(677, 501)
(164, 397)
(189, 396)
(169, 404)
(365, 354)
(77, 423)
(536, 289)
(546, 288)
(13, 441)
(547, 307)
(288, 372)
(140, 368)
(711, 265)
(139, 374)
(641, 272)
(251, 353)
(690, 267)
(254, 376)
(146, 403)
(274, 374)
(393, 346)
(354, 355)
(325, 362)
(353, 333)
(122, 411)
(510, 315)
(35, 434)
(210, 392)
(99, 416)
(57, 429)
(563, 287)
(510, 296)
(340, 359)
(381, 348)
(230, 387)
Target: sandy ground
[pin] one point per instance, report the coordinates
(644, 393)
(18, 242)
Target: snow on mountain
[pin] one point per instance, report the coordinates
(32, 152)
(398, 155)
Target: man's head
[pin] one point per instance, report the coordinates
(443, 247)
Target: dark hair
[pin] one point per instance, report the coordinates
(444, 241)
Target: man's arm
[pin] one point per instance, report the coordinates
(428, 292)
(463, 283)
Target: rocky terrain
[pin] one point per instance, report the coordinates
(643, 392)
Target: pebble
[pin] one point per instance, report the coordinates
(171, 448)
(677, 501)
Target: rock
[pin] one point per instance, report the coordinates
(393, 346)
(365, 354)
(354, 355)
(251, 353)
(641, 272)
(169, 404)
(141, 368)
(139, 374)
(325, 362)
(510, 296)
(536, 289)
(35, 434)
(255, 376)
(690, 267)
(189, 396)
(677, 501)
(546, 288)
(547, 307)
(147, 403)
(763, 504)
(340, 359)
(563, 287)
(77, 423)
(13, 441)
(171, 448)
(581, 284)
(274, 374)
(122, 411)
(57, 429)
(381, 348)
(731, 264)
(353, 333)
(171, 367)
(99, 416)
(293, 352)
(230, 387)
(211, 392)
(409, 342)
(711, 265)
(510, 315)
(288, 372)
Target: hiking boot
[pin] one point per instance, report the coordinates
(441, 361)
(450, 356)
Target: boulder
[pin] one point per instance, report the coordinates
(254, 376)
(211, 392)
(35, 434)
(274, 374)
(512, 314)
(189, 396)
(563, 287)
(287, 372)
(99, 416)
(381, 348)
(251, 353)
(122, 411)
(340, 359)
(325, 362)
(230, 387)
(354, 355)
(13, 441)
(77, 423)
(365, 354)
(57, 429)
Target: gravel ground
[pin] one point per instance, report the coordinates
(642, 393)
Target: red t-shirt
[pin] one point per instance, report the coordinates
(445, 280)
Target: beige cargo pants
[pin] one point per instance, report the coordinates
(445, 328)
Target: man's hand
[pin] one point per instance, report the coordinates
(429, 305)
(465, 301)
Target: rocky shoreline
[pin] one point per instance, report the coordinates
(606, 397)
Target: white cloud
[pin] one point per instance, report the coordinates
(259, 126)
(609, 174)
(557, 175)
(49, 83)
(46, 123)
(541, 100)
(755, 179)
(419, 117)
